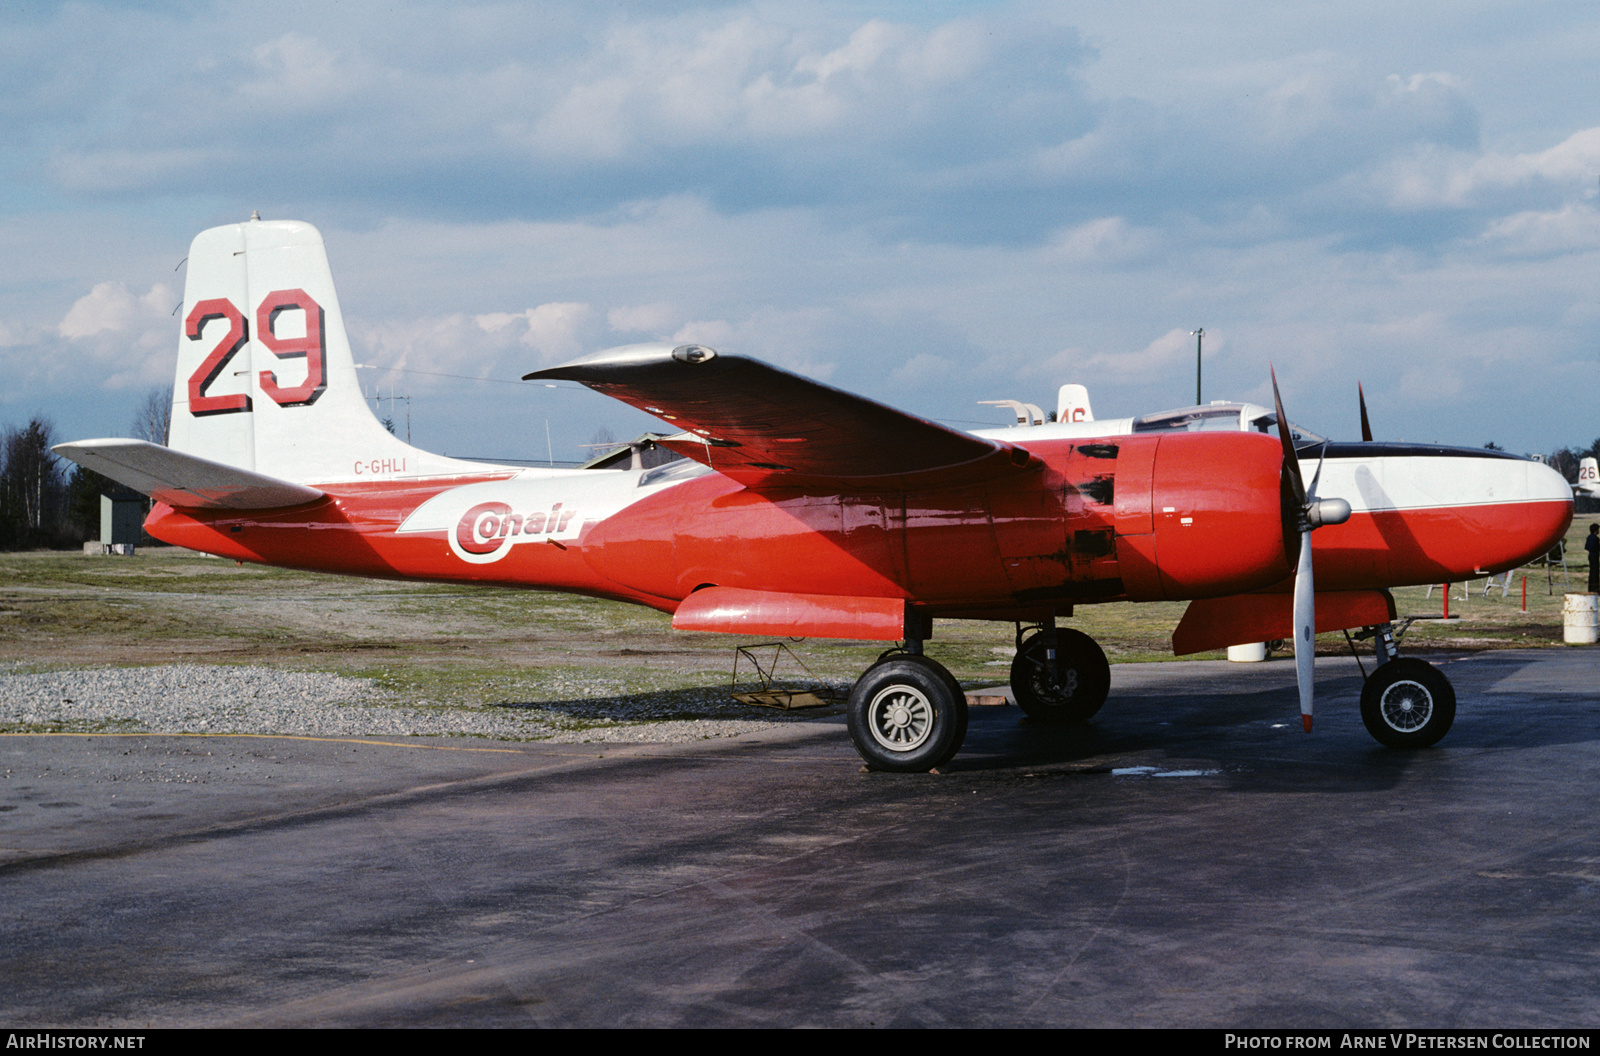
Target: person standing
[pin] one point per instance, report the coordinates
(1592, 544)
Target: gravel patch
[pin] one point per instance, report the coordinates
(197, 698)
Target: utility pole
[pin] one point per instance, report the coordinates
(1199, 338)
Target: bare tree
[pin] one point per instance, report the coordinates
(1564, 460)
(153, 421)
(84, 488)
(31, 478)
(602, 441)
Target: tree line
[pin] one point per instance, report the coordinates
(49, 503)
(1564, 460)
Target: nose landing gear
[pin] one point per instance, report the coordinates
(1405, 703)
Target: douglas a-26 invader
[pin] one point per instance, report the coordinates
(804, 510)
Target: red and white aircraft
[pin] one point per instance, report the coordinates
(804, 510)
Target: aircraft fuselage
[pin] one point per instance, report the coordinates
(1131, 518)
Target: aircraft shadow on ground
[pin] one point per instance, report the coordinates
(682, 704)
(1249, 739)
(1252, 741)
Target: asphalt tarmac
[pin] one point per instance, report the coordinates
(1191, 859)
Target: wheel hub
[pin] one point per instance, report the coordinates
(1056, 690)
(900, 718)
(1406, 706)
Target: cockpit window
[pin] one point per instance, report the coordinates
(1228, 417)
(680, 469)
(644, 452)
(1301, 436)
(1223, 417)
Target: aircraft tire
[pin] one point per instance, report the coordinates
(907, 715)
(1408, 703)
(1083, 687)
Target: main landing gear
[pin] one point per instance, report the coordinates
(1406, 702)
(1060, 677)
(908, 714)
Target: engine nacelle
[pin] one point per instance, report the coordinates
(1199, 515)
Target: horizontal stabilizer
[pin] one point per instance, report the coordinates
(761, 425)
(184, 481)
(1215, 623)
(739, 611)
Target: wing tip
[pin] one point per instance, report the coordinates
(597, 365)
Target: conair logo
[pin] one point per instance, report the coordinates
(488, 530)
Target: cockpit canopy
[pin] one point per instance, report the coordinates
(1224, 417)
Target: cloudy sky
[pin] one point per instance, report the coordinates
(931, 203)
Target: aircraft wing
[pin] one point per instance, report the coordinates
(182, 480)
(765, 426)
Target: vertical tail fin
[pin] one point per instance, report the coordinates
(1072, 404)
(266, 381)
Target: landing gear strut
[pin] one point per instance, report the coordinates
(1406, 702)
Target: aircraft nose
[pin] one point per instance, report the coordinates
(1553, 494)
(1484, 514)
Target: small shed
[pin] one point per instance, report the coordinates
(121, 520)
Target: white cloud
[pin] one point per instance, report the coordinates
(486, 345)
(1168, 355)
(705, 332)
(787, 337)
(447, 344)
(1573, 227)
(1430, 177)
(558, 331)
(1421, 82)
(657, 318)
(683, 82)
(297, 72)
(922, 370)
(1107, 240)
(865, 49)
(109, 306)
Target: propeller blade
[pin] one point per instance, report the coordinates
(1305, 628)
(1291, 461)
(1366, 426)
(1311, 492)
(1305, 597)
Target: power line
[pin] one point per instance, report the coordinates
(462, 377)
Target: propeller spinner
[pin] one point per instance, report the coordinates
(1308, 513)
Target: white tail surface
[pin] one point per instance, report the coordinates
(1072, 404)
(266, 381)
(1588, 476)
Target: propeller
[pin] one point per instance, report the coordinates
(1366, 426)
(1303, 513)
